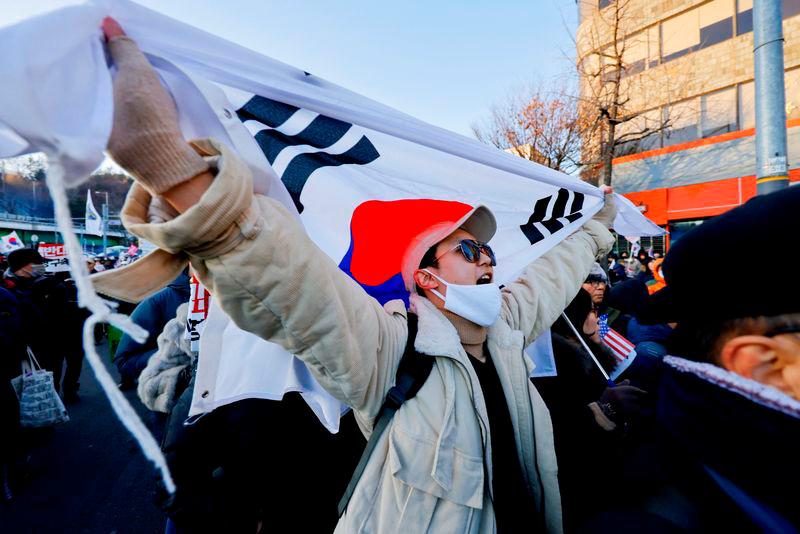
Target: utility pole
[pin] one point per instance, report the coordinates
(771, 152)
(105, 220)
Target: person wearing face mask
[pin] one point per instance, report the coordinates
(50, 317)
(592, 421)
(473, 450)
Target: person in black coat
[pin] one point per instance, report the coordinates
(257, 465)
(728, 407)
(51, 322)
(12, 352)
(590, 419)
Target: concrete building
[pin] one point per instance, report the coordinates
(688, 67)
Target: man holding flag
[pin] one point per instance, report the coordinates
(473, 450)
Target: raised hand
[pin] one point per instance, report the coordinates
(145, 138)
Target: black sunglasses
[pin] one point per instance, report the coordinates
(471, 250)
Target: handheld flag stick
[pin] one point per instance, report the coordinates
(585, 346)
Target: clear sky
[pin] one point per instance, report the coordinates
(442, 61)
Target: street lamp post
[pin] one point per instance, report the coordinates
(770, 100)
(105, 220)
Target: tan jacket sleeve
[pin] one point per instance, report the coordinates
(535, 300)
(273, 281)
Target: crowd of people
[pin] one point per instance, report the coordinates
(39, 313)
(674, 405)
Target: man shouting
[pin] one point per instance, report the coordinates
(473, 450)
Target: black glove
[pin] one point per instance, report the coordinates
(623, 402)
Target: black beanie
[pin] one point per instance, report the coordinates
(736, 282)
(21, 257)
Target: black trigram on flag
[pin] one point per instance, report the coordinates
(545, 220)
(322, 132)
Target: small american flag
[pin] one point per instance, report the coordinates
(621, 347)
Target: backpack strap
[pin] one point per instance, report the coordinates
(412, 372)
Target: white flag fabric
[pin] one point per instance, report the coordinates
(93, 221)
(10, 242)
(347, 165)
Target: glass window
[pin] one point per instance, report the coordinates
(604, 3)
(634, 57)
(744, 16)
(718, 112)
(631, 134)
(716, 22)
(607, 63)
(790, 8)
(680, 35)
(683, 118)
(747, 107)
(653, 46)
(792, 84)
(744, 13)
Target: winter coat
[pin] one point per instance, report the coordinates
(587, 442)
(639, 332)
(152, 314)
(258, 460)
(12, 346)
(169, 369)
(12, 352)
(431, 469)
(658, 278)
(731, 447)
(616, 273)
(51, 322)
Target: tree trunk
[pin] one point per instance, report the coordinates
(608, 155)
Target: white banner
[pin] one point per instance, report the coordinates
(52, 251)
(199, 303)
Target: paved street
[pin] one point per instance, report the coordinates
(89, 476)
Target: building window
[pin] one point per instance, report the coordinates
(716, 22)
(678, 229)
(653, 46)
(790, 8)
(718, 112)
(606, 62)
(744, 16)
(744, 13)
(747, 106)
(792, 85)
(680, 35)
(634, 58)
(638, 134)
(604, 3)
(641, 51)
(682, 122)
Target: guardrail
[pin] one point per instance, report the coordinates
(14, 221)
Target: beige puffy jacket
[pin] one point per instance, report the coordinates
(431, 470)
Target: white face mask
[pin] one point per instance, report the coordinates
(38, 270)
(477, 303)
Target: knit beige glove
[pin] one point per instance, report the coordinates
(145, 138)
(608, 212)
